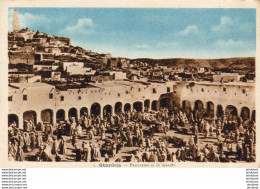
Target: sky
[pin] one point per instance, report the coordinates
(149, 33)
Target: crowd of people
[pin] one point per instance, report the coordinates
(146, 137)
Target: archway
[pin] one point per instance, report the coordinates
(13, 118)
(245, 113)
(95, 109)
(47, 116)
(210, 109)
(118, 107)
(127, 107)
(220, 111)
(147, 105)
(30, 116)
(73, 51)
(73, 113)
(138, 106)
(154, 105)
(165, 103)
(186, 106)
(119, 64)
(108, 63)
(107, 110)
(198, 105)
(231, 113)
(60, 115)
(253, 115)
(199, 110)
(83, 111)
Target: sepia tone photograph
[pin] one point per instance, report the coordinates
(131, 85)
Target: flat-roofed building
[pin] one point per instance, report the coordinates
(58, 104)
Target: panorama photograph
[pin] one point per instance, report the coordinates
(131, 85)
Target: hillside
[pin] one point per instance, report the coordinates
(247, 63)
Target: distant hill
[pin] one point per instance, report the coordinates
(244, 63)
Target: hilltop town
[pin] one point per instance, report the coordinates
(36, 56)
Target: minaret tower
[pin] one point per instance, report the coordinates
(16, 27)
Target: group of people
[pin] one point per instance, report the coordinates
(92, 138)
(236, 139)
(32, 139)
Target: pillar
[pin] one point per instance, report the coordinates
(149, 106)
(192, 105)
(66, 116)
(54, 117)
(20, 121)
(101, 111)
(112, 110)
(214, 114)
(38, 117)
(239, 111)
(215, 110)
(157, 105)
